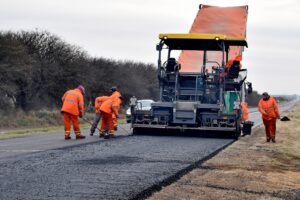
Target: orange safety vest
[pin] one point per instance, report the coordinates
(268, 108)
(73, 102)
(111, 106)
(116, 105)
(99, 101)
(115, 94)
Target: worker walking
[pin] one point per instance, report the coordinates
(115, 94)
(268, 108)
(73, 106)
(109, 108)
(98, 103)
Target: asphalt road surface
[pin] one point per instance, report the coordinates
(38, 143)
(44, 167)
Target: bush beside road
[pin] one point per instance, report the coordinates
(248, 169)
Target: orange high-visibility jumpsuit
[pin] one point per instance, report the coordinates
(114, 95)
(98, 103)
(244, 108)
(269, 110)
(106, 113)
(107, 109)
(73, 106)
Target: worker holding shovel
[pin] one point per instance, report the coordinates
(98, 103)
(108, 108)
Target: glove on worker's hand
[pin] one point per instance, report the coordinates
(80, 115)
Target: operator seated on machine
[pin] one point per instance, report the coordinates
(233, 67)
(172, 65)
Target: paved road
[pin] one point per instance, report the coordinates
(112, 169)
(120, 168)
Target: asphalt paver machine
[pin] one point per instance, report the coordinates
(204, 101)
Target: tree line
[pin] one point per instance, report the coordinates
(37, 67)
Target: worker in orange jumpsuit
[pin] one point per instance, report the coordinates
(98, 103)
(73, 106)
(269, 110)
(245, 114)
(115, 94)
(109, 108)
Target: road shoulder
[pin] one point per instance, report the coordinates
(248, 169)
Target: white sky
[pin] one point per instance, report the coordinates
(128, 30)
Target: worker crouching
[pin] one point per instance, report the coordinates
(73, 106)
(269, 110)
(98, 103)
(109, 108)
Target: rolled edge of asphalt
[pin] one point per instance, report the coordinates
(168, 181)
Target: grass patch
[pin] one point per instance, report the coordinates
(35, 131)
(19, 123)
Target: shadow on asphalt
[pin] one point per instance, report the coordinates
(198, 134)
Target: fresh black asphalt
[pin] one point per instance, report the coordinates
(119, 168)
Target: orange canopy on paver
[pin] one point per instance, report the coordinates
(229, 21)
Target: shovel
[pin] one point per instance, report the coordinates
(90, 123)
(106, 135)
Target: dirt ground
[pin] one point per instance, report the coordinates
(250, 168)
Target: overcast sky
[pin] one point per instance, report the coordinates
(128, 30)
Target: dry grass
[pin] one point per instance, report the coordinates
(20, 119)
(20, 124)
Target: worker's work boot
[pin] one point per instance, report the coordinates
(273, 140)
(80, 136)
(268, 139)
(92, 133)
(67, 137)
(101, 133)
(111, 134)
